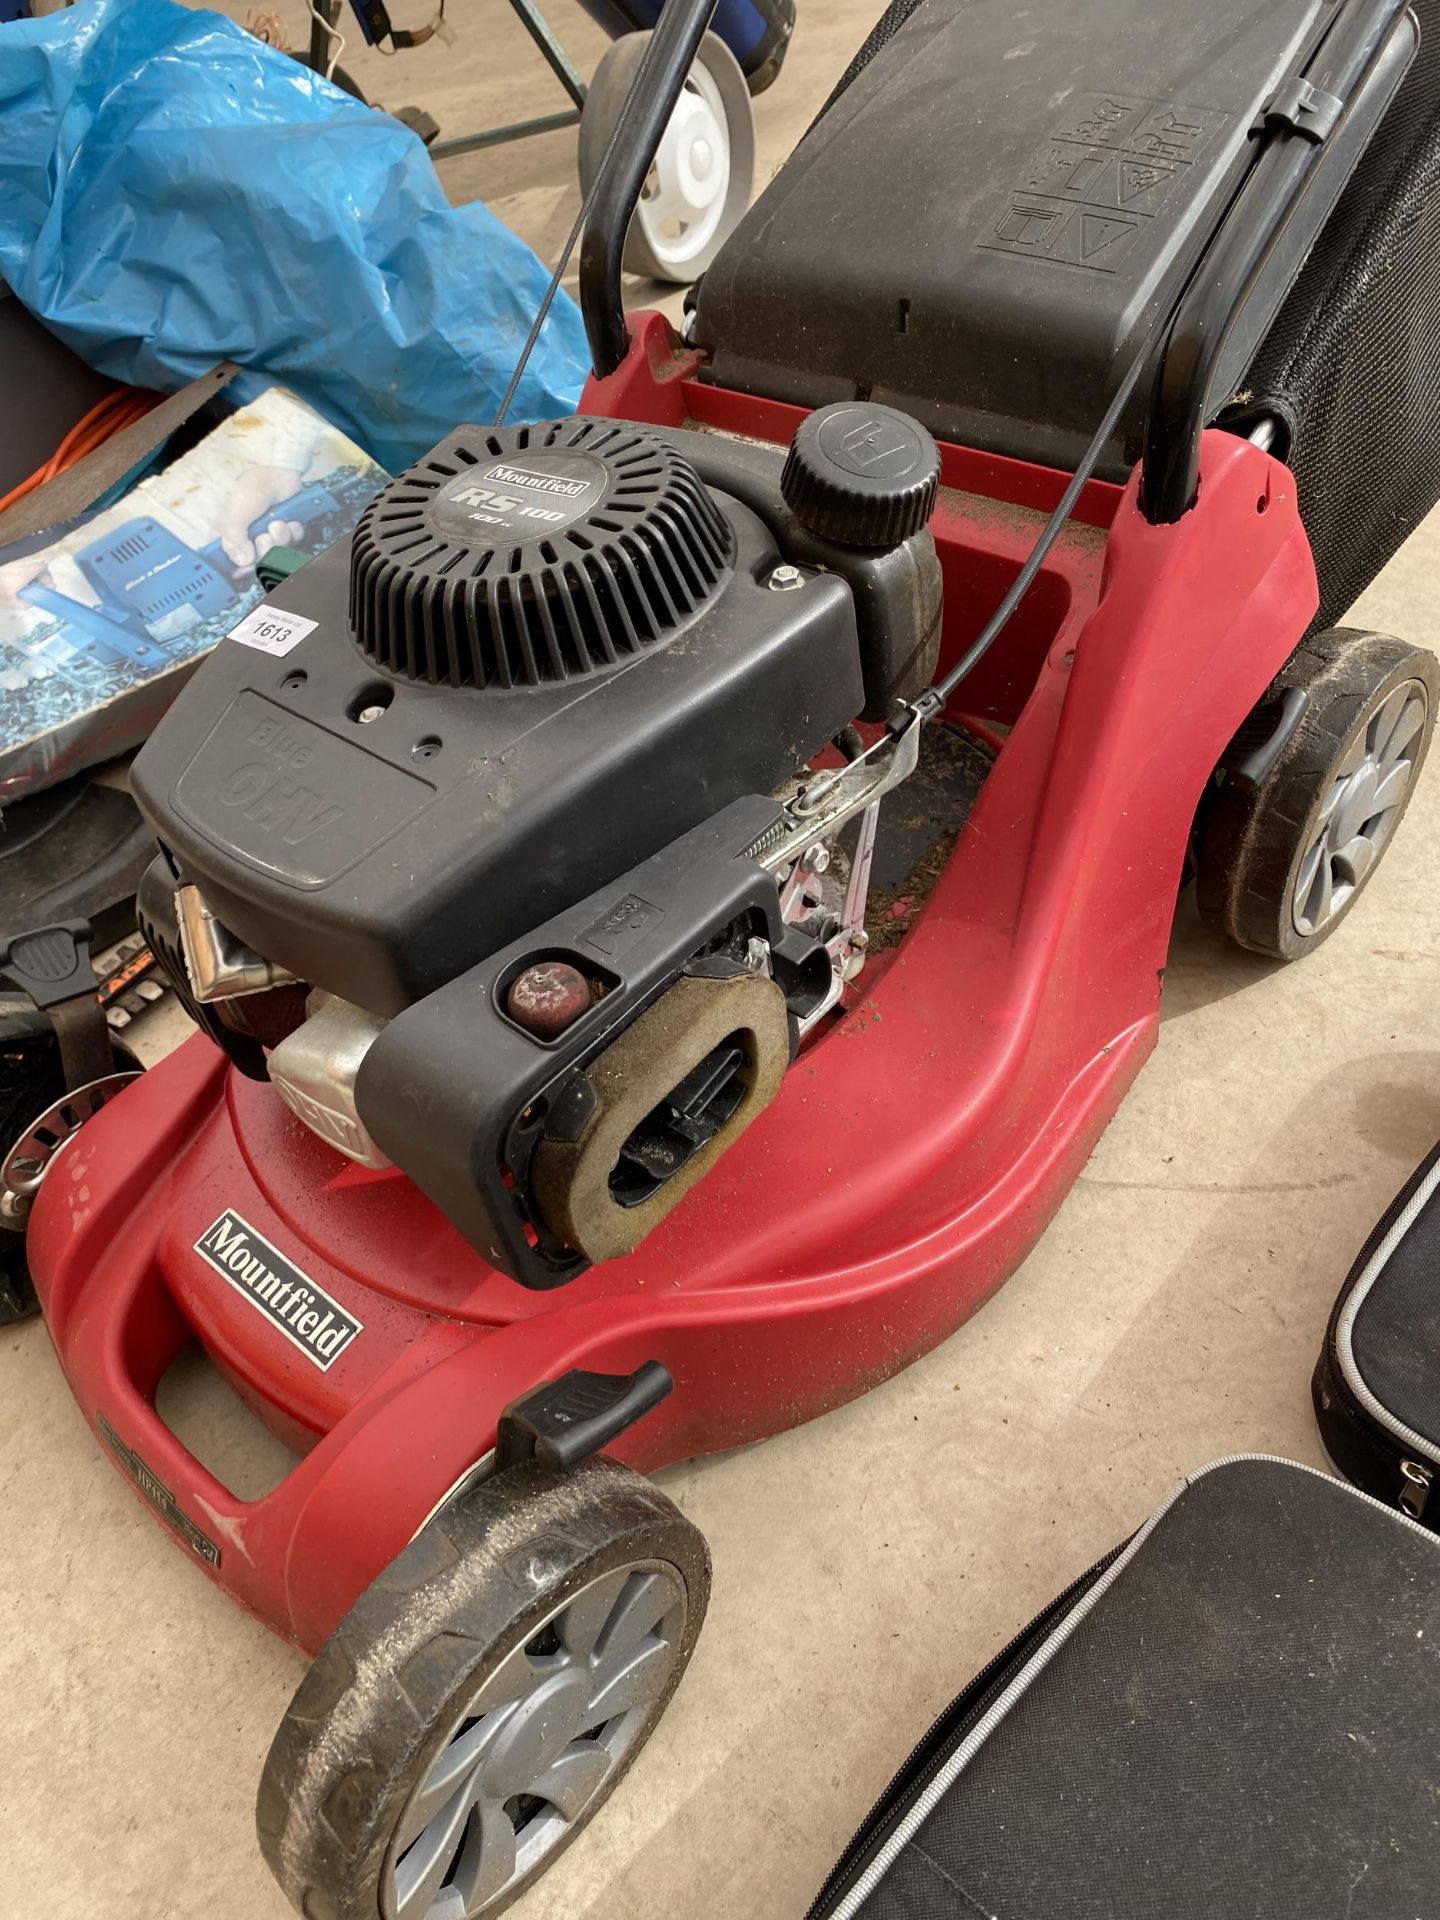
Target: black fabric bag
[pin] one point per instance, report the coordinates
(1377, 1382)
(1236, 1714)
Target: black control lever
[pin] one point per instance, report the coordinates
(51, 966)
(566, 1420)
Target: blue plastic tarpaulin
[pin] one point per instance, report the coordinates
(177, 193)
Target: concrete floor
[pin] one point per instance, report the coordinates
(868, 1564)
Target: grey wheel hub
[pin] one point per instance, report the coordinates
(539, 1738)
(35, 1152)
(1364, 800)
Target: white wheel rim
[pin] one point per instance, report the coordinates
(683, 200)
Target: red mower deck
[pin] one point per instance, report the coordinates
(913, 1155)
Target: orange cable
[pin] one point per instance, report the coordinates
(121, 407)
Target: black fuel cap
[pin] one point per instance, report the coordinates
(862, 475)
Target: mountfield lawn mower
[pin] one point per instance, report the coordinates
(672, 904)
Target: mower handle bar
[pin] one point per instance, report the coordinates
(629, 157)
(1213, 301)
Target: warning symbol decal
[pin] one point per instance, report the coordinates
(1027, 228)
(1097, 232)
(1137, 179)
(1118, 180)
(1112, 166)
(1056, 230)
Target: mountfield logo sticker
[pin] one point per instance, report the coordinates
(303, 1311)
(540, 482)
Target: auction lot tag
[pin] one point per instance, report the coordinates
(272, 630)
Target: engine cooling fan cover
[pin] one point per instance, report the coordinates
(532, 556)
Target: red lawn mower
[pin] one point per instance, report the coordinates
(674, 903)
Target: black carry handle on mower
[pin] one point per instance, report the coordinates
(1235, 292)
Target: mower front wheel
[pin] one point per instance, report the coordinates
(1282, 861)
(483, 1697)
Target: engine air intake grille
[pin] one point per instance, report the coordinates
(526, 556)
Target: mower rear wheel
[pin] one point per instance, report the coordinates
(1281, 863)
(483, 1697)
(704, 171)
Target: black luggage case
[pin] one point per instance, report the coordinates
(1377, 1382)
(1237, 1714)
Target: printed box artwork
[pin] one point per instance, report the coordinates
(100, 627)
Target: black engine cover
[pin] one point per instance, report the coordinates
(378, 857)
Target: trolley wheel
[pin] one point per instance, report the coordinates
(484, 1697)
(1282, 863)
(700, 183)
